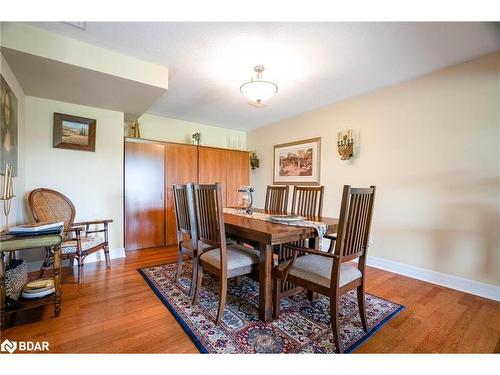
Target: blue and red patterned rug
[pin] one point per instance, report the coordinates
(303, 327)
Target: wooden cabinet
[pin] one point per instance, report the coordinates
(181, 168)
(237, 174)
(212, 168)
(229, 167)
(144, 193)
(151, 168)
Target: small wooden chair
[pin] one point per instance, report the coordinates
(186, 234)
(328, 273)
(276, 198)
(79, 240)
(222, 260)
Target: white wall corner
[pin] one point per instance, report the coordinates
(116, 253)
(443, 279)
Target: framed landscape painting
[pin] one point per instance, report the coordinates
(298, 162)
(74, 133)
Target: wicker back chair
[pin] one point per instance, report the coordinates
(80, 240)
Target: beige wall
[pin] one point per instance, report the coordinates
(92, 180)
(16, 213)
(432, 148)
(173, 130)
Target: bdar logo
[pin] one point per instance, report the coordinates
(8, 346)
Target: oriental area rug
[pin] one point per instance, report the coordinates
(303, 327)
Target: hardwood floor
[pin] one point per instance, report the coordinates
(114, 311)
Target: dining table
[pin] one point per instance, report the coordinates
(267, 235)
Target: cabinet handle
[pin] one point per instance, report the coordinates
(161, 195)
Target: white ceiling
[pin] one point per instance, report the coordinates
(314, 64)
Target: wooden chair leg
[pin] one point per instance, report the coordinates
(277, 297)
(107, 257)
(80, 270)
(237, 281)
(179, 266)
(311, 296)
(71, 261)
(334, 317)
(194, 276)
(362, 306)
(199, 279)
(222, 300)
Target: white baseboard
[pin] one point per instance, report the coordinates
(95, 257)
(443, 279)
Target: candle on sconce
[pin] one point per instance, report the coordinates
(11, 189)
(5, 183)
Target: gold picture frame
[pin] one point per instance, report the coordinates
(297, 163)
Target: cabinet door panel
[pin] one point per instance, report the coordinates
(144, 200)
(181, 168)
(212, 168)
(238, 174)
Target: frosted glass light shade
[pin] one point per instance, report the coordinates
(258, 91)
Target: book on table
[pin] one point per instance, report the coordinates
(37, 228)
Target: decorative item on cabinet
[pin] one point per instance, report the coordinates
(345, 143)
(195, 138)
(254, 160)
(135, 130)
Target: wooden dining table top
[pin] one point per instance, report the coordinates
(273, 233)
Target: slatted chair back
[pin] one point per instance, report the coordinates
(181, 208)
(307, 200)
(355, 222)
(50, 205)
(276, 198)
(207, 207)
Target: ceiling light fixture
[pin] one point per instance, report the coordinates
(257, 90)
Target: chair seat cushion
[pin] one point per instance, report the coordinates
(188, 245)
(318, 269)
(88, 242)
(237, 256)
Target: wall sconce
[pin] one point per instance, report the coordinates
(345, 144)
(254, 160)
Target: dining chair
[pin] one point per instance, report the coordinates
(276, 198)
(187, 243)
(79, 240)
(223, 260)
(331, 273)
(306, 201)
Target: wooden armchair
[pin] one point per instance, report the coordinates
(306, 201)
(328, 273)
(79, 239)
